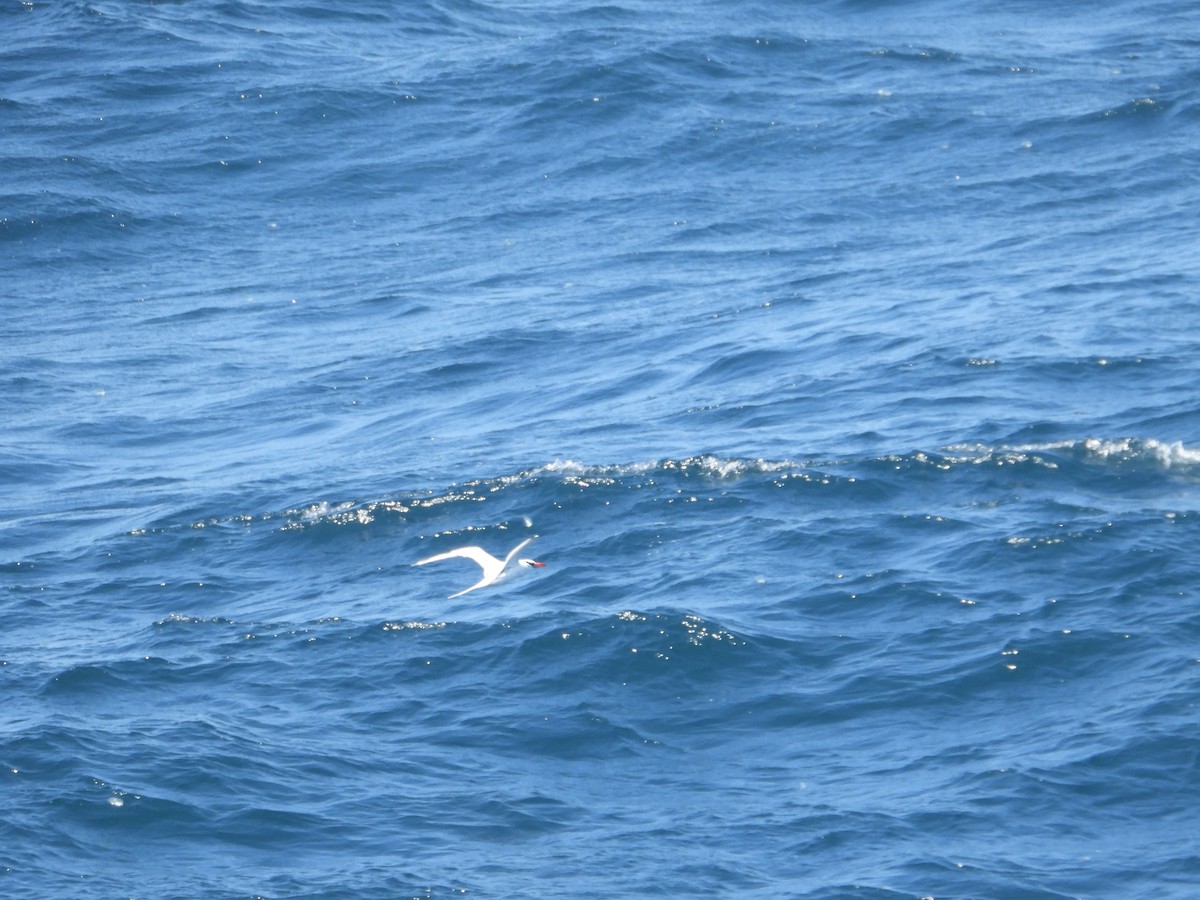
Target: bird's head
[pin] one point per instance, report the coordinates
(532, 564)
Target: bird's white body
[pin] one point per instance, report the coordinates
(493, 569)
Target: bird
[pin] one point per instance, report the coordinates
(493, 569)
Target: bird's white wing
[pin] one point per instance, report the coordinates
(476, 554)
(484, 583)
(514, 551)
(492, 567)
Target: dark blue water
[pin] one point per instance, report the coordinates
(842, 356)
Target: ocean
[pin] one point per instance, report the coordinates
(838, 357)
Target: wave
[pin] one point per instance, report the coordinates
(1145, 455)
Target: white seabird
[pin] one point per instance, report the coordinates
(493, 569)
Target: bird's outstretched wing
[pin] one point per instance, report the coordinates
(492, 567)
(512, 554)
(476, 554)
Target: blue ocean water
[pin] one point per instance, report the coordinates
(841, 355)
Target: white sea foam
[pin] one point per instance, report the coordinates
(703, 464)
(1167, 454)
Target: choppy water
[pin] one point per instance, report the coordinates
(841, 355)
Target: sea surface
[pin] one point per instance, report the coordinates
(842, 355)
